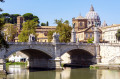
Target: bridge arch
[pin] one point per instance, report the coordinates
(38, 56)
(14, 49)
(77, 57)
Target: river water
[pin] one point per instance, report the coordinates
(20, 72)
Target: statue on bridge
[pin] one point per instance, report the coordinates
(73, 34)
(56, 37)
(31, 38)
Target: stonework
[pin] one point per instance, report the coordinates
(110, 53)
(46, 55)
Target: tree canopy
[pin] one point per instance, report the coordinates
(3, 43)
(9, 18)
(28, 28)
(10, 32)
(64, 29)
(30, 16)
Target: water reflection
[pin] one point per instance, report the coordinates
(108, 74)
(20, 72)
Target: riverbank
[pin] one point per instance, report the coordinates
(16, 63)
(97, 66)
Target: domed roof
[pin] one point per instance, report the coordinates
(92, 14)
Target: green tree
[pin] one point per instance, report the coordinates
(3, 43)
(118, 35)
(30, 16)
(13, 18)
(28, 28)
(50, 33)
(10, 31)
(1, 1)
(6, 17)
(47, 23)
(64, 29)
(43, 24)
(90, 40)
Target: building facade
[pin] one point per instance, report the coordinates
(109, 33)
(84, 26)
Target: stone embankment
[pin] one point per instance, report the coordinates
(97, 66)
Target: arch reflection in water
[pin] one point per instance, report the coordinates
(19, 72)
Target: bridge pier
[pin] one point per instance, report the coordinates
(2, 67)
(55, 63)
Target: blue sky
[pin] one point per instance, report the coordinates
(49, 10)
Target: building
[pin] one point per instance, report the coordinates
(41, 31)
(84, 26)
(109, 33)
(18, 57)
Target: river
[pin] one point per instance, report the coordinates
(20, 72)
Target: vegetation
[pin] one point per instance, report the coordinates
(30, 16)
(16, 63)
(94, 67)
(12, 18)
(3, 43)
(45, 24)
(118, 35)
(9, 18)
(90, 40)
(28, 28)
(50, 33)
(1, 1)
(9, 31)
(64, 29)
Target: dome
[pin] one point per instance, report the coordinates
(92, 14)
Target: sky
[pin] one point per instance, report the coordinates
(49, 10)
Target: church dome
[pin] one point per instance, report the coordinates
(93, 17)
(92, 14)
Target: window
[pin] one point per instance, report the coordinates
(86, 35)
(90, 35)
(81, 24)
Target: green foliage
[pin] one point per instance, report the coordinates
(13, 18)
(9, 18)
(47, 24)
(16, 63)
(64, 29)
(43, 24)
(10, 31)
(90, 40)
(50, 33)
(1, 23)
(1, 1)
(30, 16)
(3, 43)
(118, 35)
(28, 28)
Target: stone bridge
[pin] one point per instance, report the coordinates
(49, 55)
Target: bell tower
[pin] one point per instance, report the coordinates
(20, 20)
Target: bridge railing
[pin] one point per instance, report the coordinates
(27, 43)
(20, 43)
(77, 43)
